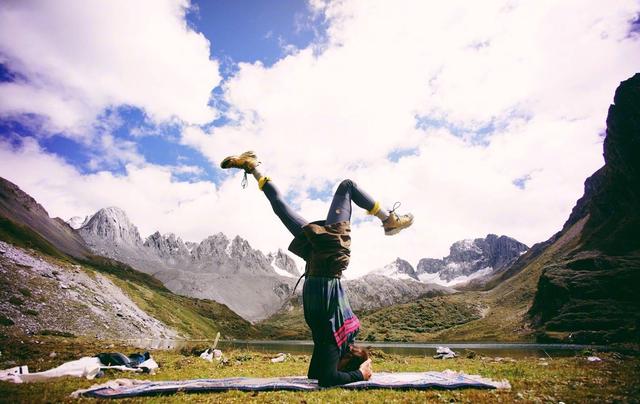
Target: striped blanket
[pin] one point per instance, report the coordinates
(122, 388)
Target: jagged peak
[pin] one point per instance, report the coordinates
(112, 224)
(155, 235)
(399, 268)
(77, 222)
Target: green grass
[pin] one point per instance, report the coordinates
(569, 379)
(407, 322)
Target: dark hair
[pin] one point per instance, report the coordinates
(353, 358)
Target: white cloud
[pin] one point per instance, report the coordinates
(75, 58)
(152, 198)
(541, 73)
(187, 169)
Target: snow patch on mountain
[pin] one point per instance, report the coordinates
(77, 222)
(398, 269)
(471, 259)
(460, 280)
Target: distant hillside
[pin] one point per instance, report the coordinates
(70, 291)
(23, 210)
(581, 285)
(231, 272)
(590, 292)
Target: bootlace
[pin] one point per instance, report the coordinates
(395, 206)
(245, 181)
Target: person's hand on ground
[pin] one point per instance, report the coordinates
(365, 368)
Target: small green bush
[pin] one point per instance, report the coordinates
(6, 321)
(56, 333)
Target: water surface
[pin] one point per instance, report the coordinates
(514, 350)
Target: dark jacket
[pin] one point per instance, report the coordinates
(325, 248)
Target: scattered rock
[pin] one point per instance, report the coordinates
(280, 358)
(53, 355)
(469, 354)
(443, 352)
(76, 311)
(594, 359)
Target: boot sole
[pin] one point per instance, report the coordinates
(397, 229)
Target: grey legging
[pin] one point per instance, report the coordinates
(339, 211)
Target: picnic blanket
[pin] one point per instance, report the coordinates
(121, 388)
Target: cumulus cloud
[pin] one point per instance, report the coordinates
(444, 106)
(484, 92)
(73, 59)
(153, 199)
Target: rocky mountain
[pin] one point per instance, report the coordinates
(51, 282)
(588, 293)
(471, 260)
(373, 291)
(231, 272)
(77, 222)
(111, 226)
(37, 296)
(283, 264)
(398, 269)
(581, 284)
(253, 284)
(20, 208)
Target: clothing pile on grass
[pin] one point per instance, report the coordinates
(210, 354)
(88, 367)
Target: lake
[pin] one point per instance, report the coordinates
(514, 350)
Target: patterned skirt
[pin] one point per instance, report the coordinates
(328, 313)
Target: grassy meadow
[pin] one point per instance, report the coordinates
(566, 379)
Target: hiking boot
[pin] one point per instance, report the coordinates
(246, 161)
(394, 223)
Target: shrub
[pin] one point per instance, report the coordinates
(6, 321)
(56, 333)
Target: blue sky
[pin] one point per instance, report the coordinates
(249, 31)
(134, 104)
(238, 31)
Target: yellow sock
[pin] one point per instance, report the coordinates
(262, 181)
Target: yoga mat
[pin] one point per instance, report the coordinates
(121, 388)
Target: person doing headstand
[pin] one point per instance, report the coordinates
(325, 247)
